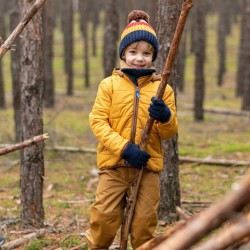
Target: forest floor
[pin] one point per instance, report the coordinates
(71, 178)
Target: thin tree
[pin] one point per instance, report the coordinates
(2, 38)
(181, 59)
(110, 36)
(49, 24)
(84, 14)
(15, 16)
(200, 45)
(32, 158)
(67, 29)
(167, 18)
(223, 28)
(246, 48)
(241, 52)
(96, 7)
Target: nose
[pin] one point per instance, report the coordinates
(139, 57)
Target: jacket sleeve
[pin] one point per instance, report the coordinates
(170, 128)
(99, 120)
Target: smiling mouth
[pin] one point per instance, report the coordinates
(139, 66)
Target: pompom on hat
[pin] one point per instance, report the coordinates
(138, 29)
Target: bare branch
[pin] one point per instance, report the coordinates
(227, 237)
(23, 144)
(19, 28)
(203, 223)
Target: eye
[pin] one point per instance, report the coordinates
(132, 51)
(148, 53)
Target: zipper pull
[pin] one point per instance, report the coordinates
(138, 93)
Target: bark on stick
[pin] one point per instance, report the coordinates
(23, 144)
(203, 223)
(131, 201)
(19, 28)
(229, 236)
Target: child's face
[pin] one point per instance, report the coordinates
(139, 55)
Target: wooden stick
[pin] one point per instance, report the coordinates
(24, 239)
(24, 144)
(227, 237)
(157, 240)
(203, 223)
(19, 28)
(133, 190)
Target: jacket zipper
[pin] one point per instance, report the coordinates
(135, 114)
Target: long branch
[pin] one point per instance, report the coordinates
(203, 223)
(228, 236)
(23, 144)
(133, 190)
(19, 28)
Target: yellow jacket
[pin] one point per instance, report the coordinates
(118, 117)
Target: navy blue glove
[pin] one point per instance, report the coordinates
(135, 156)
(159, 110)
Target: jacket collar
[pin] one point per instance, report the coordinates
(136, 73)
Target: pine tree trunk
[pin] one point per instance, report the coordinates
(15, 17)
(49, 23)
(241, 53)
(246, 49)
(168, 15)
(95, 18)
(222, 30)
(110, 36)
(181, 59)
(200, 41)
(67, 29)
(32, 159)
(84, 10)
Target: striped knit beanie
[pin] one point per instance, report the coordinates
(138, 29)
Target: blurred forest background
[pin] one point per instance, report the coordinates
(79, 41)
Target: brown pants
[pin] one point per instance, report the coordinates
(107, 211)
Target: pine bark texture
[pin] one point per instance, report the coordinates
(15, 17)
(49, 24)
(167, 18)
(110, 36)
(200, 45)
(32, 158)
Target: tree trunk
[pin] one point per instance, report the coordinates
(181, 59)
(2, 37)
(167, 18)
(223, 28)
(32, 159)
(67, 28)
(152, 11)
(246, 49)
(49, 23)
(15, 17)
(95, 18)
(84, 10)
(200, 44)
(110, 36)
(241, 53)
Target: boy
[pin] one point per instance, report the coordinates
(123, 104)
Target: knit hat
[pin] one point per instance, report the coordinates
(138, 29)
